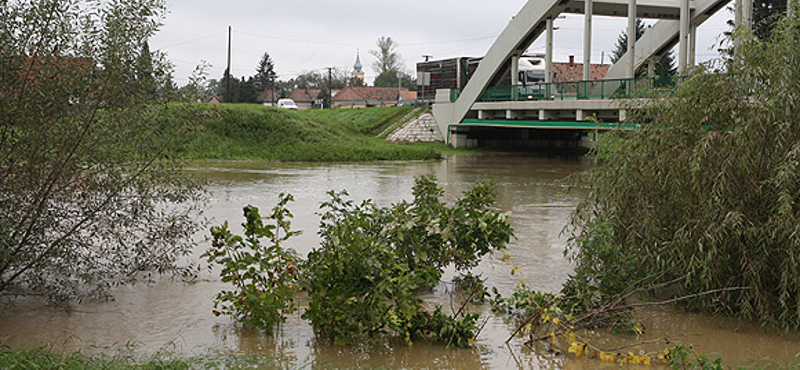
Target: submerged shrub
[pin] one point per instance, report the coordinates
(264, 276)
(364, 277)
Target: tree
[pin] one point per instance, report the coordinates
(265, 76)
(144, 69)
(705, 197)
(389, 79)
(387, 58)
(247, 91)
(233, 84)
(665, 65)
(198, 87)
(765, 14)
(308, 80)
(90, 193)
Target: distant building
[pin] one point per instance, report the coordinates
(368, 96)
(269, 97)
(571, 71)
(306, 98)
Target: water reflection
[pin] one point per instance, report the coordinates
(175, 316)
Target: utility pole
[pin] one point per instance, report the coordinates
(399, 89)
(228, 71)
(330, 87)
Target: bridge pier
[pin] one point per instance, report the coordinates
(579, 115)
(547, 115)
(514, 114)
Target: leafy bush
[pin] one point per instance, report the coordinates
(706, 198)
(264, 276)
(372, 260)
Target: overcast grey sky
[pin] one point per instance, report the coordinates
(306, 35)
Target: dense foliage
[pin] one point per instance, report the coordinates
(90, 195)
(705, 198)
(264, 277)
(364, 277)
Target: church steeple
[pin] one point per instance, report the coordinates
(358, 69)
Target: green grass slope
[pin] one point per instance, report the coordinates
(368, 121)
(252, 132)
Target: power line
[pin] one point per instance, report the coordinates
(451, 42)
(191, 41)
(294, 40)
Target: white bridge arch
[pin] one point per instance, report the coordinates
(677, 25)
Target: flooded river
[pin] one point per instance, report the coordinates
(174, 316)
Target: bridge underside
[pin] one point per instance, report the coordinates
(544, 125)
(543, 111)
(535, 18)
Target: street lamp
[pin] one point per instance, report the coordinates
(399, 89)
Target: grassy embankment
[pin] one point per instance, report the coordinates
(257, 133)
(127, 360)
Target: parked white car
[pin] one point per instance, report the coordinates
(287, 104)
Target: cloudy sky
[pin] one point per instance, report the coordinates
(307, 35)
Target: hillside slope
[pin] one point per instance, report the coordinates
(252, 132)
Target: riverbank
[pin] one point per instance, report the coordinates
(257, 133)
(129, 359)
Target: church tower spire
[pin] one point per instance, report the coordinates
(358, 69)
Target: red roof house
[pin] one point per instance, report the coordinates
(567, 72)
(305, 98)
(368, 96)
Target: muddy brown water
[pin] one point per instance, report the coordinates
(174, 316)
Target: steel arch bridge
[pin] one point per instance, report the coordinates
(677, 25)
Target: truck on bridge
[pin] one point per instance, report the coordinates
(454, 73)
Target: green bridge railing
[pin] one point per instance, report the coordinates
(600, 89)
